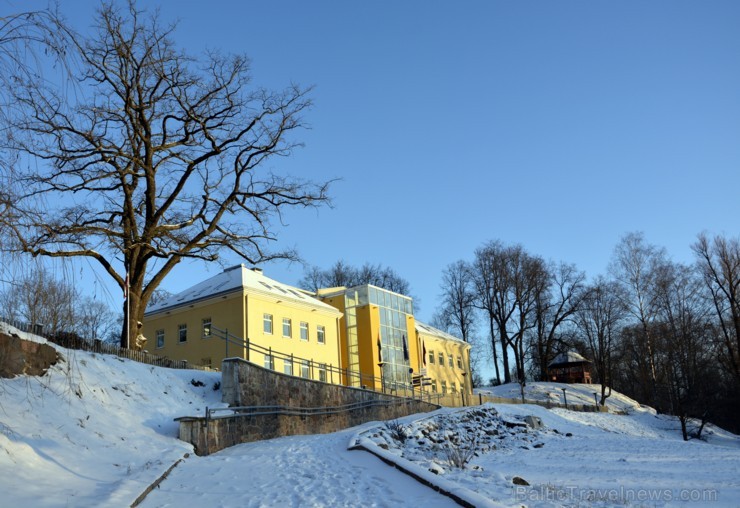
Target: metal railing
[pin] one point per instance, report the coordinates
(75, 342)
(307, 411)
(308, 368)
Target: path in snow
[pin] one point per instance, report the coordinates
(292, 471)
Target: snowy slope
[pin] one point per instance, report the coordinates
(574, 393)
(97, 430)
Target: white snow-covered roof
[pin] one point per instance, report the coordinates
(569, 357)
(237, 279)
(430, 330)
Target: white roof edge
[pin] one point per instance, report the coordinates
(430, 330)
(568, 357)
(240, 279)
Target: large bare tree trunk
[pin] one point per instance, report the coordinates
(156, 158)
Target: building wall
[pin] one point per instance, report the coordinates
(368, 326)
(243, 316)
(444, 377)
(337, 301)
(225, 313)
(327, 353)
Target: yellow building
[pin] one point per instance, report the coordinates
(376, 337)
(363, 336)
(268, 323)
(392, 352)
(446, 365)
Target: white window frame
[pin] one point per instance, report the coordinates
(321, 334)
(159, 335)
(289, 323)
(267, 323)
(305, 369)
(182, 331)
(206, 328)
(304, 330)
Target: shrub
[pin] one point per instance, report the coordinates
(396, 430)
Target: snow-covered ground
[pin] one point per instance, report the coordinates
(574, 394)
(97, 431)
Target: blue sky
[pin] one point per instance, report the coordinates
(558, 125)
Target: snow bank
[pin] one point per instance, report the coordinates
(96, 430)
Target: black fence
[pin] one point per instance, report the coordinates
(308, 368)
(75, 342)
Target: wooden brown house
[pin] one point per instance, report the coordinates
(569, 367)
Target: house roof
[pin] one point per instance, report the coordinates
(430, 330)
(569, 357)
(236, 279)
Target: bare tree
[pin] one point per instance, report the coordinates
(719, 265)
(343, 274)
(554, 306)
(38, 297)
(156, 159)
(530, 279)
(507, 281)
(684, 344)
(29, 42)
(598, 319)
(94, 319)
(635, 266)
(490, 281)
(458, 299)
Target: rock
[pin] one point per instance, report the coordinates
(518, 480)
(533, 422)
(18, 356)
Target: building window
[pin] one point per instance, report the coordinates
(288, 367)
(270, 362)
(459, 362)
(444, 387)
(431, 356)
(287, 328)
(441, 359)
(182, 333)
(322, 372)
(206, 328)
(305, 369)
(453, 387)
(450, 362)
(160, 338)
(320, 334)
(434, 386)
(267, 323)
(304, 330)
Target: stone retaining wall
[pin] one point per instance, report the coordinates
(246, 384)
(24, 357)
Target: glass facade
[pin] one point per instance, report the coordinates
(394, 310)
